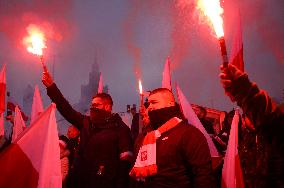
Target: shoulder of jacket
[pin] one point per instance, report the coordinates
(189, 128)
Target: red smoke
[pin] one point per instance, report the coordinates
(129, 35)
(271, 33)
(51, 16)
(265, 19)
(180, 36)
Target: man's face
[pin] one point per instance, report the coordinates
(97, 102)
(158, 101)
(200, 113)
(72, 132)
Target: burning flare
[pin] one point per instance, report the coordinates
(140, 88)
(35, 42)
(213, 10)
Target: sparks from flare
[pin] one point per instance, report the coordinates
(35, 42)
(213, 10)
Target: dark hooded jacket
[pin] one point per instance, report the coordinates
(101, 146)
(268, 119)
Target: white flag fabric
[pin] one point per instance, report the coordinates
(2, 128)
(237, 52)
(2, 88)
(166, 81)
(19, 124)
(192, 118)
(33, 160)
(2, 98)
(232, 176)
(37, 106)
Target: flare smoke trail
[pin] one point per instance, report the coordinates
(129, 35)
(182, 27)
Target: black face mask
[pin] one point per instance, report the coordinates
(99, 116)
(161, 116)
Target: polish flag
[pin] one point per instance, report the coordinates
(237, 52)
(101, 86)
(232, 176)
(166, 82)
(19, 124)
(11, 106)
(33, 160)
(2, 98)
(2, 128)
(192, 118)
(37, 106)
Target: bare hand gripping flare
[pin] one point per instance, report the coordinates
(213, 10)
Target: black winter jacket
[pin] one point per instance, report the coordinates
(99, 163)
(268, 119)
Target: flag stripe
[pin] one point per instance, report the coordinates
(35, 149)
(11, 106)
(2, 88)
(238, 60)
(2, 124)
(193, 120)
(37, 106)
(2, 96)
(166, 81)
(237, 57)
(232, 173)
(239, 173)
(16, 169)
(19, 124)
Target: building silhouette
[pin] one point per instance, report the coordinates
(89, 90)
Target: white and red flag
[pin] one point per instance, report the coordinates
(2, 128)
(192, 118)
(33, 160)
(237, 52)
(2, 98)
(11, 106)
(101, 84)
(37, 106)
(19, 124)
(166, 81)
(232, 176)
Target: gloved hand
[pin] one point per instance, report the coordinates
(228, 75)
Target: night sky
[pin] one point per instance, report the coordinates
(133, 38)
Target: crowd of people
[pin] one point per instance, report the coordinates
(101, 151)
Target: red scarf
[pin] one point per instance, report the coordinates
(145, 164)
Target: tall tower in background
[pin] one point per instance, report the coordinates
(90, 89)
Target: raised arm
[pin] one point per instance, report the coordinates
(254, 102)
(63, 106)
